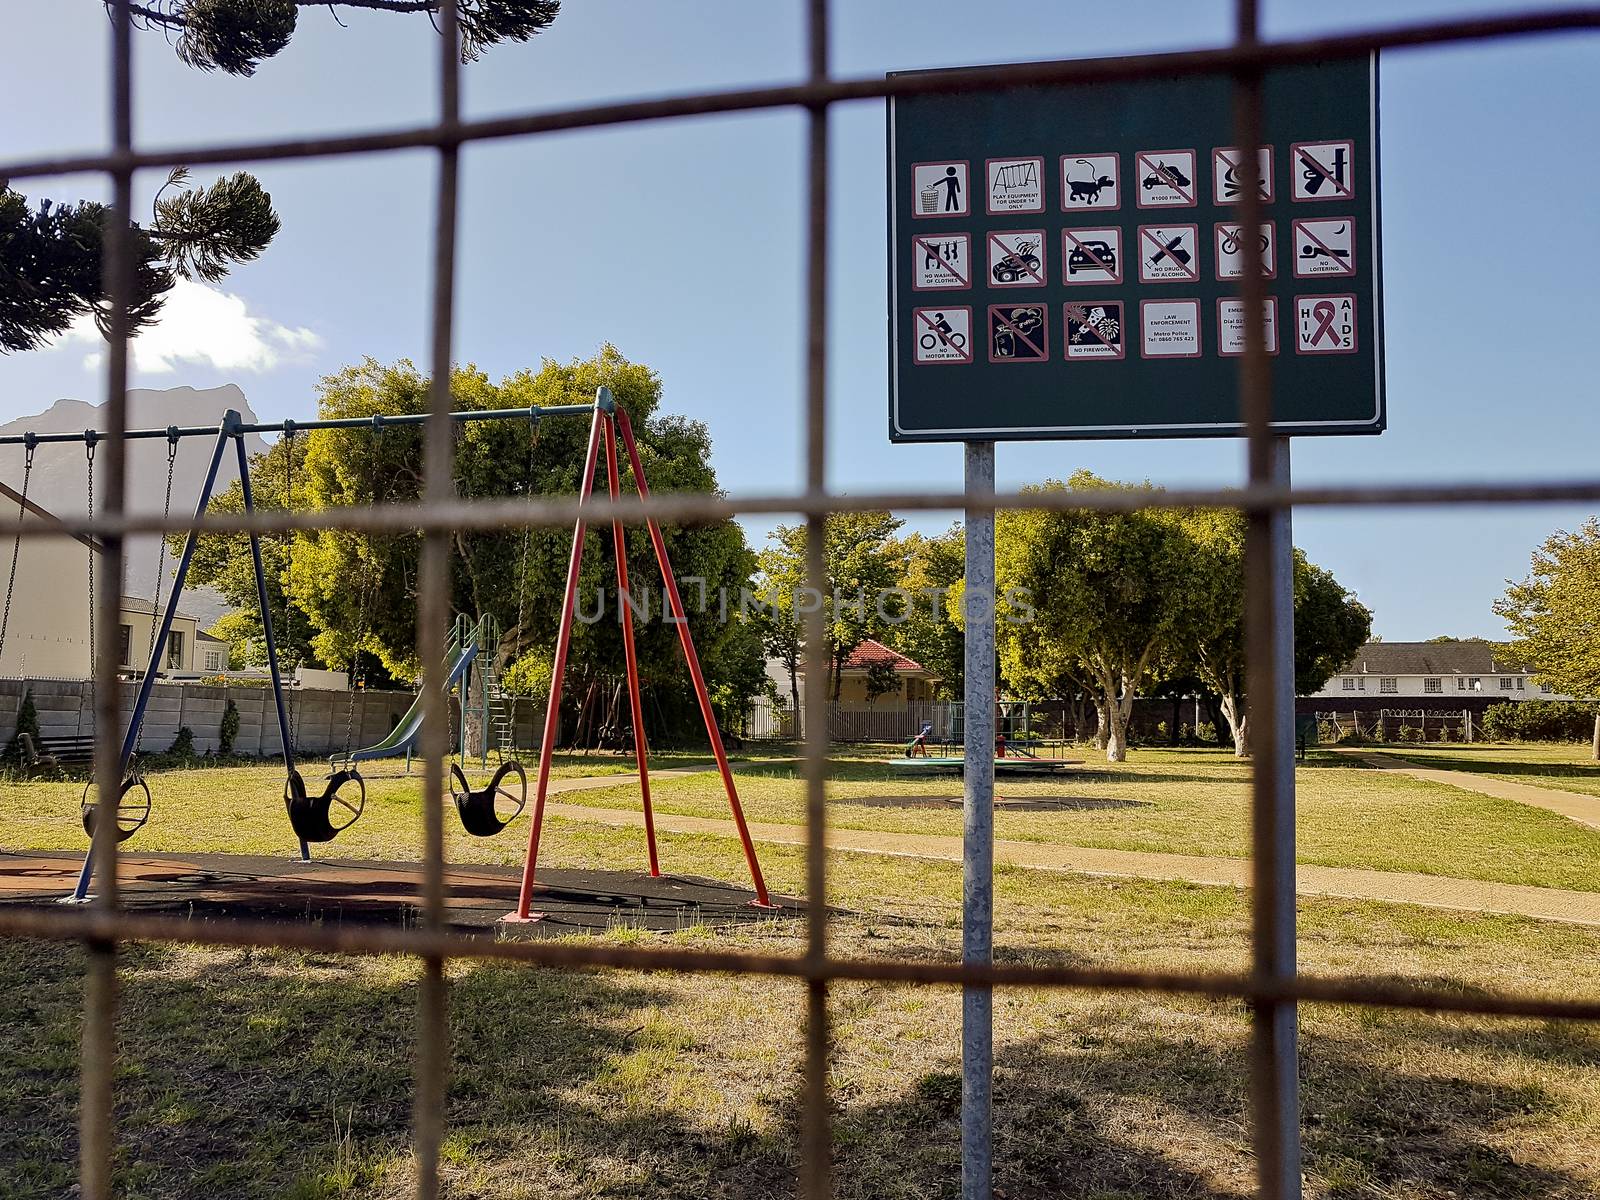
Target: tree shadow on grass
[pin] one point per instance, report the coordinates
(255, 1074)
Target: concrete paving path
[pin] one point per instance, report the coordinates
(1575, 806)
(1435, 891)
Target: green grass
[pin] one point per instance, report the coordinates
(1569, 767)
(1191, 802)
(271, 1074)
(266, 1074)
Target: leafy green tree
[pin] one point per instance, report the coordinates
(355, 594)
(859, 566)
(1554, 615)
(1096, 598)
(1330, 624)
(931, 570)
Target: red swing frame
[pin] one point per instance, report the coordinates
(675, 612)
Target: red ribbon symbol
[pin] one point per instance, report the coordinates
(1324, 312)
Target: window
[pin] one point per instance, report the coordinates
(1468, 683)
(1545, 689)
(1389, 685)
(213, 660)
(1433, 686)
(1522, 684)
(174, 651)
(1505, 683)
(1348, 681)
(125, 645)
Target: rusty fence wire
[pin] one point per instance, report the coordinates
(1272, 987)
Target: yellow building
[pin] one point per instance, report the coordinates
(47, 629)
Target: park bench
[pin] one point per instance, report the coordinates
(53, 753)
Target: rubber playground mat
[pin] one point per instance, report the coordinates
(215, 886)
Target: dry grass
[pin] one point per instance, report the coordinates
(276, 1074)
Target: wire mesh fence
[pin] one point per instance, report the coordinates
(1272, 986)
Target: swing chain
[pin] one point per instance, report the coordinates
(161, 556)
(522, 571)
(361, 609)
(292, 655)
(90, 437)
(16, 547)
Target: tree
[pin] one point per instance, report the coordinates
(1554, 615)
(357, 592)
(931, 570)
(1330, 625)
(52, 268)
(859, 567)
(236, 35)
(1101, 596)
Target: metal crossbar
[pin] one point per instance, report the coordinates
(1272, 987)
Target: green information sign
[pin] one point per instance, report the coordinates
(1064, 262)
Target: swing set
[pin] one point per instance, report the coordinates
(317, 817)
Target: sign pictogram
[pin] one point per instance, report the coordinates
(1090, 181)
(1096, 329)
(1169, 253)
(1227, 174)
(942, 261)
(1325, 247)
(1019, 333)
(942, 335)
(1169, 328)
(1016, 258)
(1322, 170)
(1230, 242)
(1325, 324)
(1092, 255)
(940, 189)
(1230, 326)
(1015, 184)
(1166, 178)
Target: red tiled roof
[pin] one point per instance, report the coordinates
(875, 654)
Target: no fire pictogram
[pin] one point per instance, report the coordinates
(1227, 174)
(1166, 178)
(1018, 333)
(1325, 247)
(942, 335)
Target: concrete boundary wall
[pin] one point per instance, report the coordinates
(318, 718)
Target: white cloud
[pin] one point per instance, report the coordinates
(204, 325)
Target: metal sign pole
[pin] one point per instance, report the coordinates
(977, 851)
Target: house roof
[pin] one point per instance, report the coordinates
(1432, 658)
(140, 605)
(875, 654)
(202, 636)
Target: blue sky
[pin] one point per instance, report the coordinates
(681, 244)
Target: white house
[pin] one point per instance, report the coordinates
(1434, 673)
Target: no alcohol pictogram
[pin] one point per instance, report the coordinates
(1169, 253)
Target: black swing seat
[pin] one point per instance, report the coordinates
(133, 807)
(312, 817)
(479, 815)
